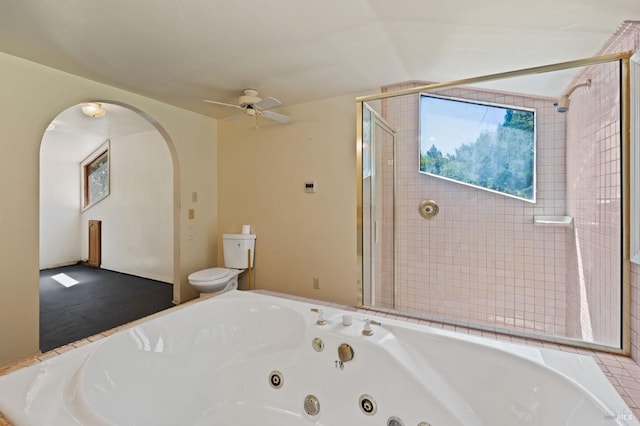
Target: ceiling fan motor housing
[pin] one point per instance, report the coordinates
(250, 97)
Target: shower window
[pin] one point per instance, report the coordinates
(484, 145)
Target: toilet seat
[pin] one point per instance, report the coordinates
(212, 275)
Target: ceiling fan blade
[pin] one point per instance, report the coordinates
(268, 103)
(222, 103)
(276, 117)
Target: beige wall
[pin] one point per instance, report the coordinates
(31, 95)
(299, 236)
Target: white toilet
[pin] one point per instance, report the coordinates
(236, 260)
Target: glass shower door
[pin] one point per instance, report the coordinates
(378, 191)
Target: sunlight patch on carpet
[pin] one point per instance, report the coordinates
(65, 280)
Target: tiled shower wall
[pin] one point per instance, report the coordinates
(482, 259)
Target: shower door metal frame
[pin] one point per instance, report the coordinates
(625, 138)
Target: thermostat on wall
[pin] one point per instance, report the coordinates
(309, 187)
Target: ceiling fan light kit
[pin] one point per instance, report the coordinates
(251, 104)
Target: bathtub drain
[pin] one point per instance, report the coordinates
(311, 405)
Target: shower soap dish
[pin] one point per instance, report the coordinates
(553, 220)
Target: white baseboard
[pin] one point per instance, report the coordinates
(59, 265)
(138, 274)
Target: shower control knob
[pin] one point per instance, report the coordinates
(428, 209)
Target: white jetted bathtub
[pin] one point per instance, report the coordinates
(250, 359)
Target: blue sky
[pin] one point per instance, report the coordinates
(448, 124)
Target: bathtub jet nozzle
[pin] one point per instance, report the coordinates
(311, 405)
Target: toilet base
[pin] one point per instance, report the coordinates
(208, 295)
(217, 287)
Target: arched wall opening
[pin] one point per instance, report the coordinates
(140, 214)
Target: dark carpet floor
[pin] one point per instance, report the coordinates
(102, 300)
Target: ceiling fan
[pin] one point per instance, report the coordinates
(252, 105)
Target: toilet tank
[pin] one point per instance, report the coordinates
(235, 247)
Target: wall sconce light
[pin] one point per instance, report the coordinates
(93, 109)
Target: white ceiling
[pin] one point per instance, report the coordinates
(74, 135)
(180, 51)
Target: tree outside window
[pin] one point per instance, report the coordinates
(487, 146)
(95, 176)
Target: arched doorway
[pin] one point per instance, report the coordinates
(138, 211)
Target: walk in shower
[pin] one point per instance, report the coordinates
(498, 202)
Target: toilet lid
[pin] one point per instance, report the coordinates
(211, 274)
